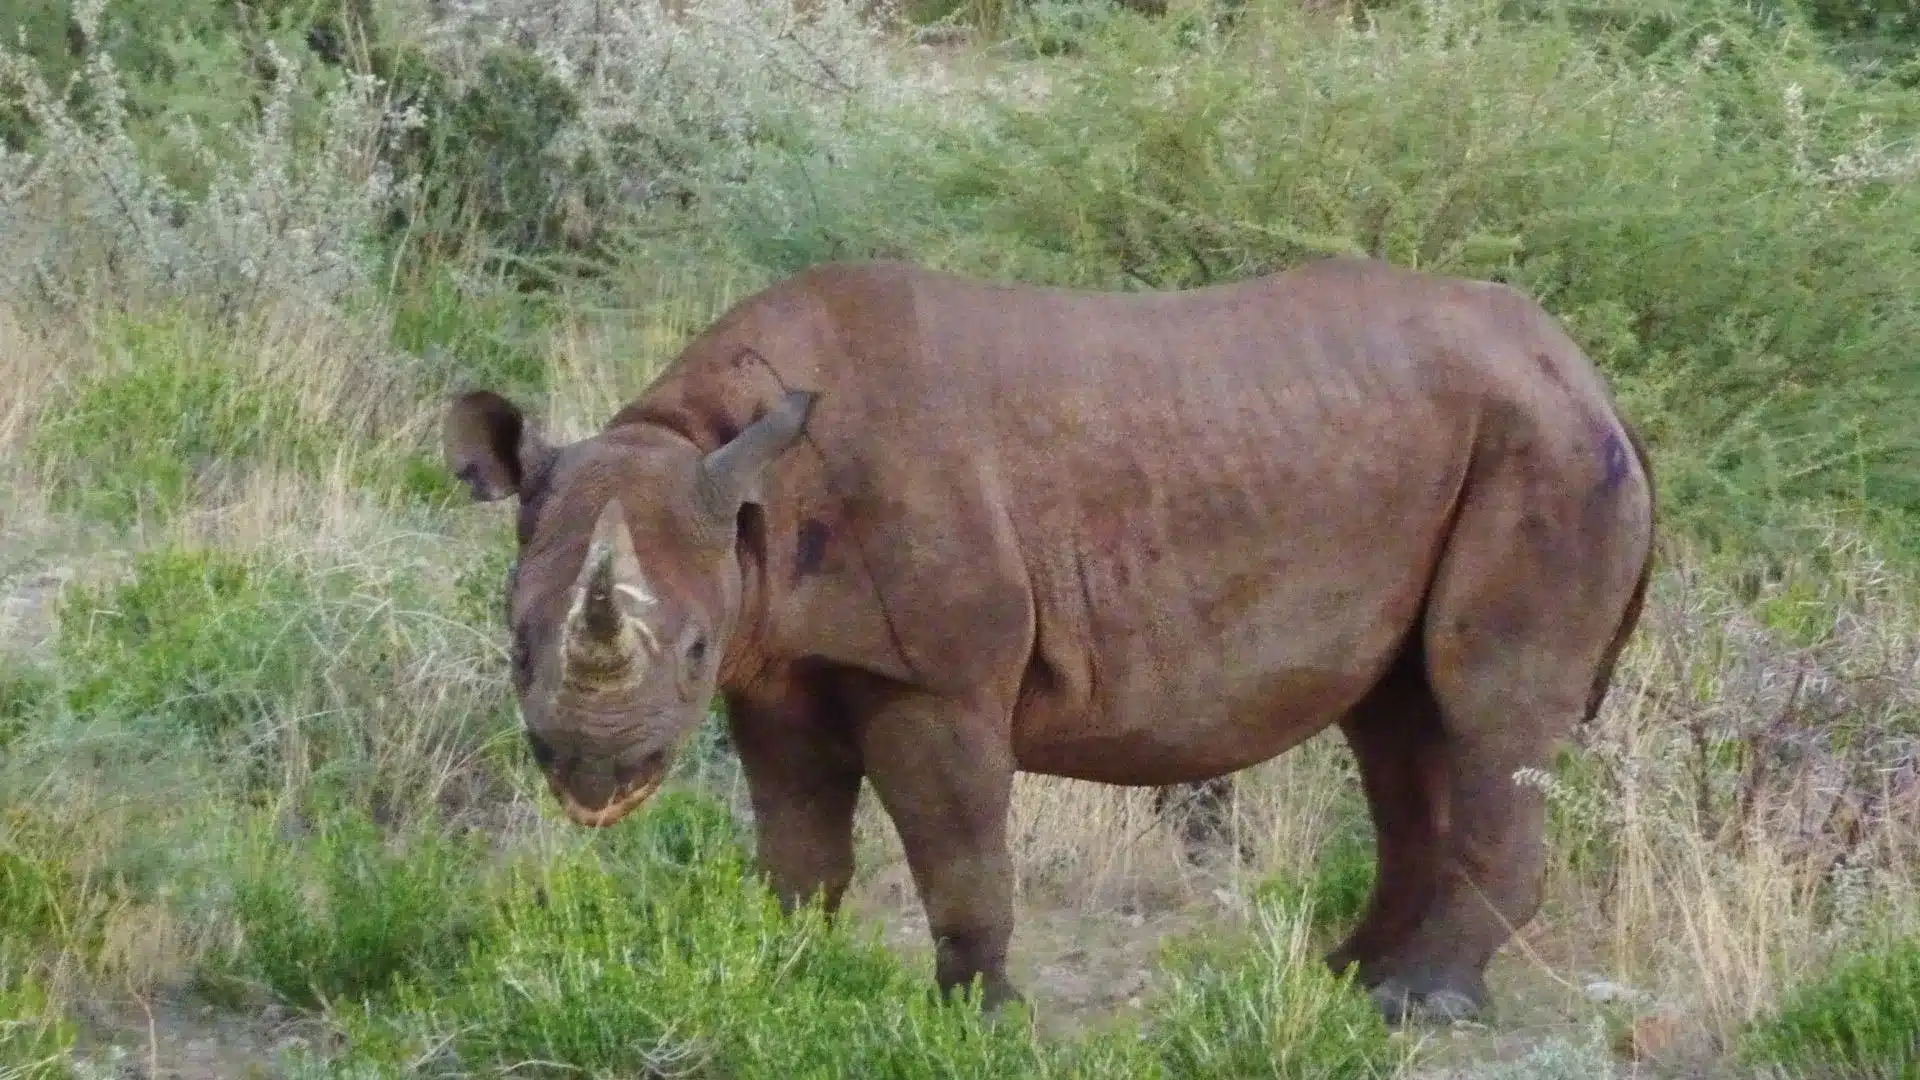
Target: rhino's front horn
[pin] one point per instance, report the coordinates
(606, 637)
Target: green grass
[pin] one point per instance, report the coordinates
(180, 406)
(341, 915)
(1860, 1018)
(1333, 893)
(35, 1040)
(656, 950)
(261, 667)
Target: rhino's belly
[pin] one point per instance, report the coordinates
(1189, 674)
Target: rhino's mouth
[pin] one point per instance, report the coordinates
(625, 800)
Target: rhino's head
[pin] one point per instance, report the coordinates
(626, 587)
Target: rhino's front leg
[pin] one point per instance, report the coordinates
(803, 777)
(944, 772)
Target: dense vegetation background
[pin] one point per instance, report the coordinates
(263, 809)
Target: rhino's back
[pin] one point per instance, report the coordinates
(1149, 512)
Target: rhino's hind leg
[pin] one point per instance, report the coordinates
(1528, 596)
(1395, 735)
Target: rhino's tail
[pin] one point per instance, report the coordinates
(1630, 618)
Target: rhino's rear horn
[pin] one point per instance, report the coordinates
(731, 475)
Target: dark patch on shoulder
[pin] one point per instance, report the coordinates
(810, 548)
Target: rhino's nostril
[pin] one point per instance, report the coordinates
(543, 755)
(631, 774)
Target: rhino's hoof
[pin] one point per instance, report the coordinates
(1442, 1005)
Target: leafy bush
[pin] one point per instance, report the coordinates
(484, 160)
(1882, 34)
(92, 214)
(36, 1042)
(652, 947)
(180, 63)
(343, 913)
(1724, 229)
(344, 677)
(1279, 1013)
(1861, 1018)
(177, 406)
(1336, 891)
(674, 103)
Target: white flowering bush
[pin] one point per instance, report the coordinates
(678, 97)
(87, 216)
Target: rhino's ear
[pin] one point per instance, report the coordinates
(489, 445)
(730, 476)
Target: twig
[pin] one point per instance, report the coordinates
(1761, 746)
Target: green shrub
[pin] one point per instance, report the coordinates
(485, 160)
(28, 694)
(1861, 1018)
(178, 405)
(652, 946)
(652, 949)
(1336, 891)
(181, 62)
(1693, 219)
(199, 644)
(1882, 34)
(345, 677)
(36, 1042)
(611, 964)
(1278, 1013)
(343, 913)
(169, 405)
(681, 829)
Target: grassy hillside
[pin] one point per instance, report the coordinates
(263, 805)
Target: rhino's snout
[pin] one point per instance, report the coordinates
(597, 788)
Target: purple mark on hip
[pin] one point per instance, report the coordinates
(1614, 458)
